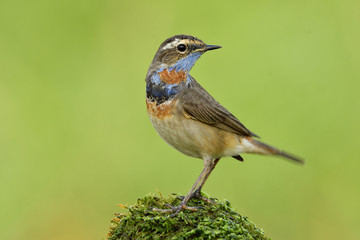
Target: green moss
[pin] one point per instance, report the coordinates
(215, 220)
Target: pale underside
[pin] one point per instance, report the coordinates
(196, 139)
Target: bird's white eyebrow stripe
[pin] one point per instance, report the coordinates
(171, 44)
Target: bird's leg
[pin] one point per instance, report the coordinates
(183, 203)
(197, 192)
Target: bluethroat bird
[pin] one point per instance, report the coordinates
(189, 119)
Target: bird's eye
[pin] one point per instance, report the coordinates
(181, 47)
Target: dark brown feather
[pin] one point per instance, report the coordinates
(238, 157)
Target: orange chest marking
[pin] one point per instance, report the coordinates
(172, 77)
(161, 111)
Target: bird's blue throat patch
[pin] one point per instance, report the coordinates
(186, 63)
(160, 89)
(160, 93)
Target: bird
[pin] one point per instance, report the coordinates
(189, 119)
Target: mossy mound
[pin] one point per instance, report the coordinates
(216, 220)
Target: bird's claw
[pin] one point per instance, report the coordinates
(175, 210)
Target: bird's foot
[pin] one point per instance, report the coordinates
(175, 210)
(197, 194)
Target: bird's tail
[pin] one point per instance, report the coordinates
(263, 148)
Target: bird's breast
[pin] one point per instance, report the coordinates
(170, 126)
(172, 76)
(165, 85)
(160, 111)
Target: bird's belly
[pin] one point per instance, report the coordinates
(191, 137)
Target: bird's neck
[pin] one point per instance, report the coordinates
(171, 76)
(177, 72)
(165, 84)
(185, 64)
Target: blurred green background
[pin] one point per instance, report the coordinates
(75, 138)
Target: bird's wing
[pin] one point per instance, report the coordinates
(199, 105)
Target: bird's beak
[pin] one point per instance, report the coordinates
(211, 47)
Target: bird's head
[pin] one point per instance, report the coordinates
(180, 53)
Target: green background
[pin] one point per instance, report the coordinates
(75, 138)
